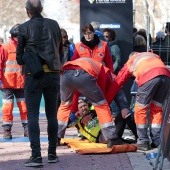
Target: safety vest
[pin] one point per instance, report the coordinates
(91, 134)
(87, 64)
(11, 71)
(141, 63)
(98, 52)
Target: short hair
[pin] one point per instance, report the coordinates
(142, 32)
(34, 6)
(86, 27)
(14, 30)
(135, 30)
(139, 41)
(95, 25)
(83, 99)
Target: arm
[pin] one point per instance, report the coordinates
(116, 85)
(123, 76)
(20, 46)
(122, 103)
(3, 53)
(75, 54)
(108, 59)
(116, 56)
(71, 51)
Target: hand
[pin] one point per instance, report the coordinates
(124, 112)
(86, 119)
(78, 114)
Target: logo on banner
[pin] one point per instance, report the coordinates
(91, 1)
(110, 1)
(113, 25)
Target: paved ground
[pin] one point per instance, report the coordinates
(15, 152)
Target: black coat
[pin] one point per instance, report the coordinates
(43, 36)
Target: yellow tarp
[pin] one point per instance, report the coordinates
(86, 147)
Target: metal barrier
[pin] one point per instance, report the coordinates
(164, 147)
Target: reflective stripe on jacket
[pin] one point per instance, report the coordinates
(143, 62)
(144, 67)
(11, 71)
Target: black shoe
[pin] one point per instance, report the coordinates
(116, 141)
(144, 147)
(34, 162)
(58, 142)
(153, 146)
(129, 141)
(53, 158)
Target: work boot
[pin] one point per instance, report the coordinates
(153, 146)
(116, 141)
(144, 146)
(25, 125)
(7, 134)
(26, 134)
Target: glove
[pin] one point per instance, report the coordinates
(72, 120)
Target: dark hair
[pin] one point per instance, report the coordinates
(34, 7)
(14, 30)
(135, 30)
(111, 32)
(86, 27)
(167, 27)
(143, 33)
(63, 31)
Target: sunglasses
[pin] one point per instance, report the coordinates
(106, 36)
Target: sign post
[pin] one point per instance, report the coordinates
(115, 14)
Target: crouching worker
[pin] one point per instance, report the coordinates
(82, 75)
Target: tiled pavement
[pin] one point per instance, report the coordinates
(14, 153)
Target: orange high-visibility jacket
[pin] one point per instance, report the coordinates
(144, 67)
(103, 75)
(11, 72)
(99, 53)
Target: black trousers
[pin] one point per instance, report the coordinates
(121, 123)
(48, 86)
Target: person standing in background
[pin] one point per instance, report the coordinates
(92, 47)
(68, 48)
(12, 85)
(40, 38)
(110, 35)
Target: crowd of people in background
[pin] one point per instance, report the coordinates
(82, 83)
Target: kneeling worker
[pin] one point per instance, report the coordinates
(76, 75)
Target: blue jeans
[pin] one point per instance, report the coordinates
(48, 86)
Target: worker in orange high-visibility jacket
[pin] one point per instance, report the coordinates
(92, 47)
(12, 85)
(83, 75)
(153, 79)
